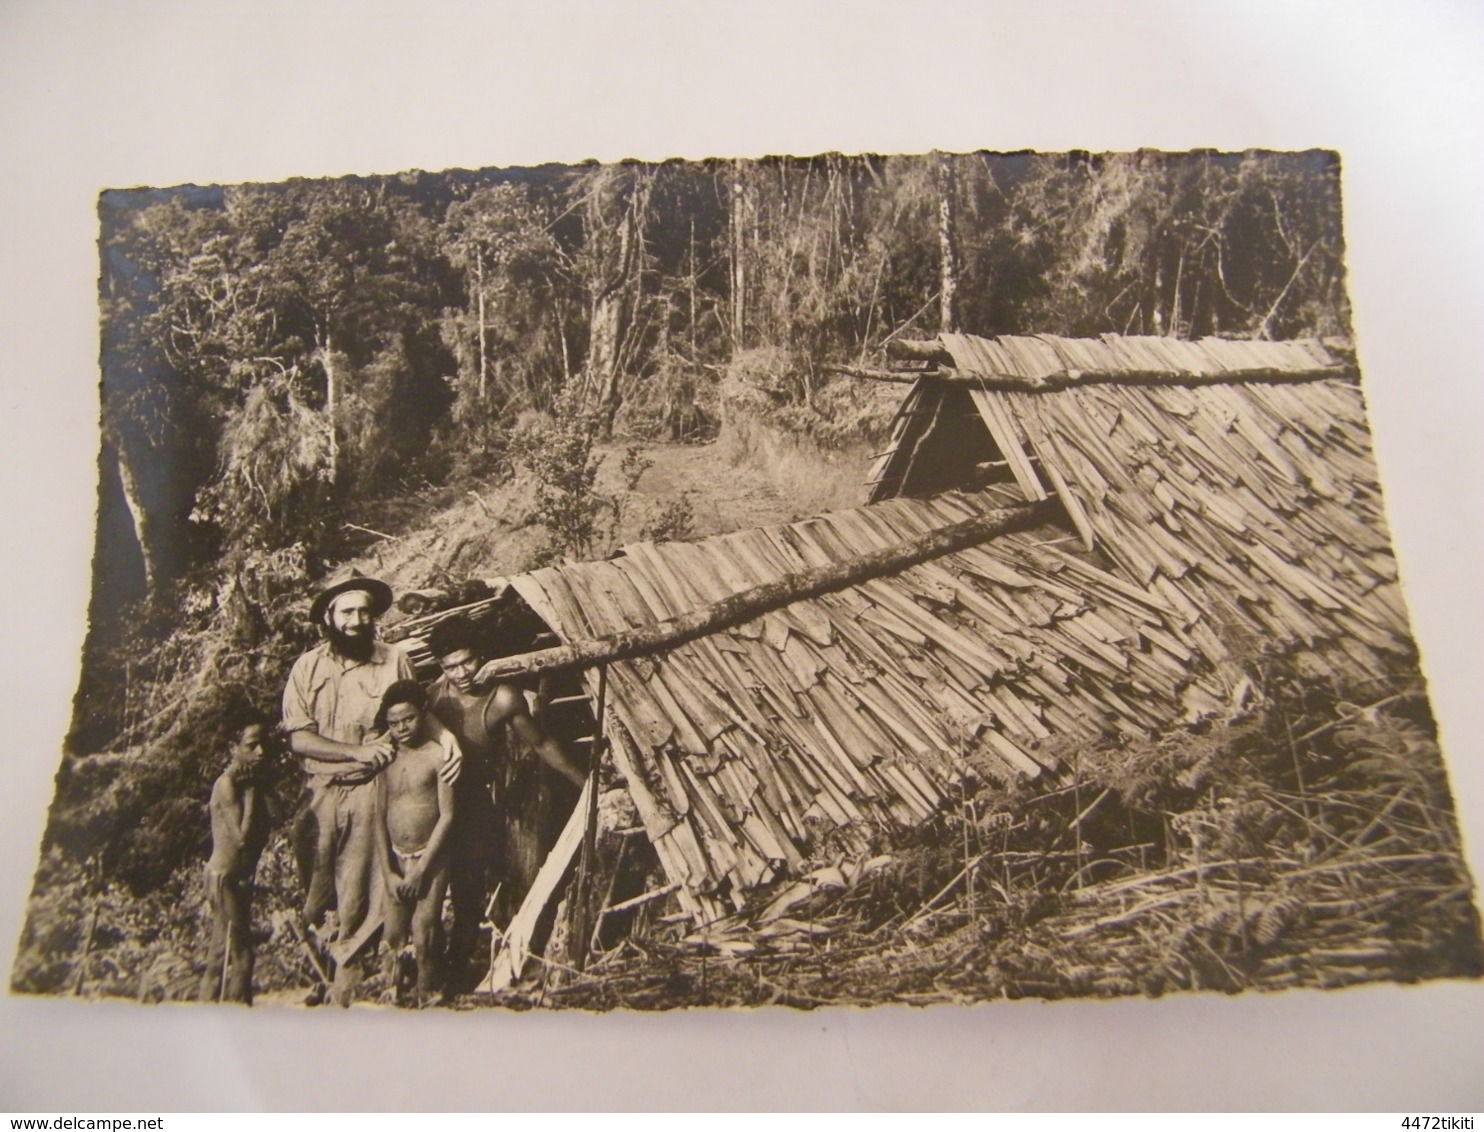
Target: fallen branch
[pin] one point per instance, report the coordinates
(943, 892)
(123, 737)
(1085, 814)
(1351, 717)
(369, 531)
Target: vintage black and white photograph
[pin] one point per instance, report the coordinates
(790, 582)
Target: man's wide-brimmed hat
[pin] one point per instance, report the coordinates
(381, 595)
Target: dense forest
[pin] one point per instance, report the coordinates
(276, 355)
(270, 351)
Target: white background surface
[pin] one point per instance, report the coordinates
(100, 95)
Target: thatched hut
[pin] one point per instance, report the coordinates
(1194, 506)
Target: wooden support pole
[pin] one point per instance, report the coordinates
(900, 377)
(582, 919)
(637, 901)
(748, 604)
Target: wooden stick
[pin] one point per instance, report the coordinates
(1085, 814)
(221, 983)
(369, 531)
(899, 377)
(582, 921)
(637, 901)
(138, 726)
(947, 888)
(1332, 724)
(593, 941)
(507, 967)
(749, 604)
(315, 961)
(87, 948)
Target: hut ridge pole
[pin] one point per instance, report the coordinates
(748, 604)
(1062, 379)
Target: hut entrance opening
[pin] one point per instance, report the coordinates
(535, 805)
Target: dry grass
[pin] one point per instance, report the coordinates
(811, 479)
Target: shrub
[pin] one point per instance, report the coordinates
(557, 452)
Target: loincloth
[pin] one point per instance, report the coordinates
(222, 887)
(407, 857)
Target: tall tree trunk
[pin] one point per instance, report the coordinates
(333, 395)
(1156, 320)
(695, 356)
(738, 218)
(561, 326)
(948, 259)
(332, 401)
(617, 298)
(138, 515)
(607, 318)
(483, 358)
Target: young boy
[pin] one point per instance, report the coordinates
(239, 830)
(414, 813)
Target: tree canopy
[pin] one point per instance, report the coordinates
(270, 351)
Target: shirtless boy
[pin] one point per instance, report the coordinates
(239, 830)
(414, 813)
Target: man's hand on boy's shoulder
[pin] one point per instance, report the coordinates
(453, 755)
(376, 752)
(371, 758)
(242, 776)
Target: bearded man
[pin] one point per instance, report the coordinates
(329, 712)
